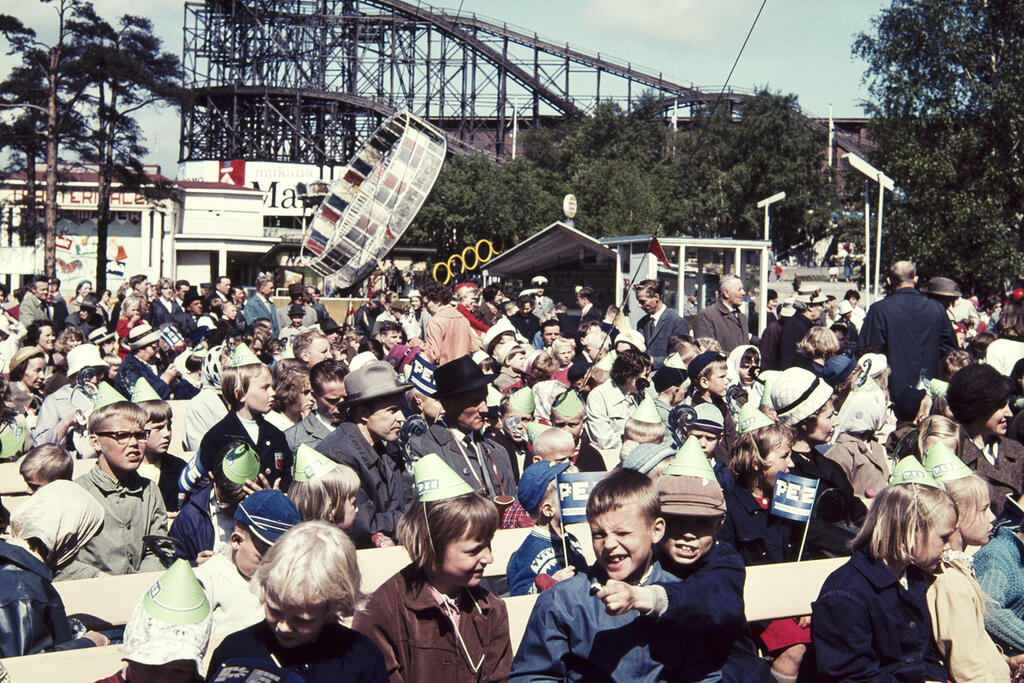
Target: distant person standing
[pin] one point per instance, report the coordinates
(723, 320)
(912, 330)
(660, 322)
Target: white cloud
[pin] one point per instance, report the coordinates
(683, 24)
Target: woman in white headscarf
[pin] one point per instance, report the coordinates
(48, 531)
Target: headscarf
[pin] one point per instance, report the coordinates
(63, 516)
(863, 411)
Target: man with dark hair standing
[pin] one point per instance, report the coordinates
(912, 330)
(327, 380)
(660, 321)
(588, 311)
(222, 288)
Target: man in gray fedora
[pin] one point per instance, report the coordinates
(365, 442)
(459, 438)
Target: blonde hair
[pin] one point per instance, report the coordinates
(708, 344)
(427, 529)
(644, 432)
(49, 462)
(898, 515)
(941, 427)
(125, 410)
(312, 564)
(234, 383)
(323, 498)
(747, 462)
(819, 342)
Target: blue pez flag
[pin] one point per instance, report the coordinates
(573, 492)
(794, 497)
(422, 375)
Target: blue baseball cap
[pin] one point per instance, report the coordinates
(535, 480)
(267, 513)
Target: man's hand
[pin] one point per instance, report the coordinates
(620, 597)
(563, 574)
(203, 556)
(381, 540)
(98, 638)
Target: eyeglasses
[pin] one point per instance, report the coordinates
(123, 437)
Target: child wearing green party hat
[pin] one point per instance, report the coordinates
(259, 521)
(204, 525)
(515, 410)
(158, 465)
(167, 634)
(644, 425)
(436, 604)
(133, 505)
(323, 489)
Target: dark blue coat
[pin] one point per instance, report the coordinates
(193, 527)
(758, 536)
(270, 445)
(338, 654)
(159, 315)
(793, 330)
(32, 616)
(913, 331)
(866, 627)
(706, 608)
(385, 490)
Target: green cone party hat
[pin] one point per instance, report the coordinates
(435, 480)
(944, 464)
(646, 412)
(750, 418)
(144, 391)
(521, 401)
(105, 395)
(177, 597)
(12, 438)
(910, 471)
(243, 355)
(535, 429)
(311, 463)
(674, 360)
(766, 378)
(691, 461)
(567, 405)
(241, 464)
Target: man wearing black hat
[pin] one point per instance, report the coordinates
(912, 330)
(459, 439)
(978, 396)
(365, 441)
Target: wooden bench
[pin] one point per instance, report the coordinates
(772, 592)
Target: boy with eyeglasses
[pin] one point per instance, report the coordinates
(132, 504)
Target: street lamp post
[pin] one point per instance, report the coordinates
(884, 183)
(762, 315)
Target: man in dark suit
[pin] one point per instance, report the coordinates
(660, 323)
(723, 320)
(588, 309)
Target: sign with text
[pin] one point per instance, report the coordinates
(794, 497)
(573, 491)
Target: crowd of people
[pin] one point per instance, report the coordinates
(433, 423)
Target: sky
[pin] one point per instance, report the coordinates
(797, 46)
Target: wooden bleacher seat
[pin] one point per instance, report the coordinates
(75, 666)
(775, 591)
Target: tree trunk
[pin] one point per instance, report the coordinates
(29, 229)
(50, 242)
(103, 191)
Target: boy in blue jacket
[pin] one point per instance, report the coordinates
(570, 636)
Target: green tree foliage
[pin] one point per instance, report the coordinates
(631, 174)
(946, 81)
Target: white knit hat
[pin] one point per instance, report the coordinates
(797, 394)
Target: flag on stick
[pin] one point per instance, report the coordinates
(658, 253)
